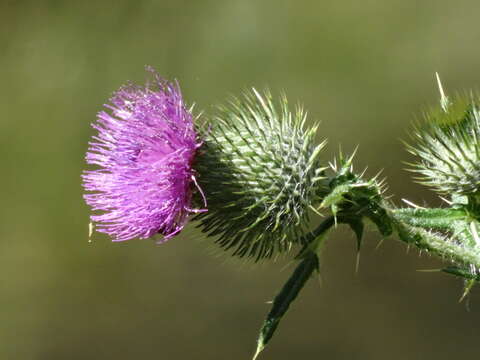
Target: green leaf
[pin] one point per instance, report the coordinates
(357, 226)
(457, 271)
(336, 196)
(379, 216)
(282, 301)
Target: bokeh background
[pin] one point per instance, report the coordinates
(365, 69)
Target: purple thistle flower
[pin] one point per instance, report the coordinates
(144, 148)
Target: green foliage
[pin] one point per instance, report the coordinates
(260, 170)
(448, 149)
(262, 176)
(282, 301)
(352, 199)
(309, 263)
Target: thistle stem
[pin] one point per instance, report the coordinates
(458, 252)
(324, 226)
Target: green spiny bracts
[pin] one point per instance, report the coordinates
(353, 199)
(259, 168)
(448, 147)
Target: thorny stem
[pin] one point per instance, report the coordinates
(455, 251)
(313, 240)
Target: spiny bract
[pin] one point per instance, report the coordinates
(449, 148)
(260, 170)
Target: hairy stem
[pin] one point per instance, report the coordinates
(445, 247)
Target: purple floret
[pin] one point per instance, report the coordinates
(144, 150)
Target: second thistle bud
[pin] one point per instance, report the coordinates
(448, 148)
(260, 170)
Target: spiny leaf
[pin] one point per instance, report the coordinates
(285, 297)
(380, 217)
(455, 270)
(357, 226)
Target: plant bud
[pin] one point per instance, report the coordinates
(259, 168)
(448, 148)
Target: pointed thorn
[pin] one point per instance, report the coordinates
(377, 175)
(90, 231)
(363, 172)
(260, 347)
(315, 210)
(350, 159)
(333, 165)
(447, 201)
(443, 98)
(468, 286)
(408, 202)
(428, 270)
(357, 263)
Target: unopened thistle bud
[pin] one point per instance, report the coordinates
(260, 170)
(448, 147)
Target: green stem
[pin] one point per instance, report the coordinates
(433, 218)
(437, 244)
(313, 239)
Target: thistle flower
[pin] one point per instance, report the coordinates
(448, 147)
(144, 150)
(261, 172)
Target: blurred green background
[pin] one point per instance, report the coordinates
(365, 69)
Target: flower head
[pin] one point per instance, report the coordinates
(143, 151)
(261, 171)
(448, 147)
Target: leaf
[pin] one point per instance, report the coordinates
(285, 297)
(382, 221)
(461, 272)
(357, 226)
(336, 196)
